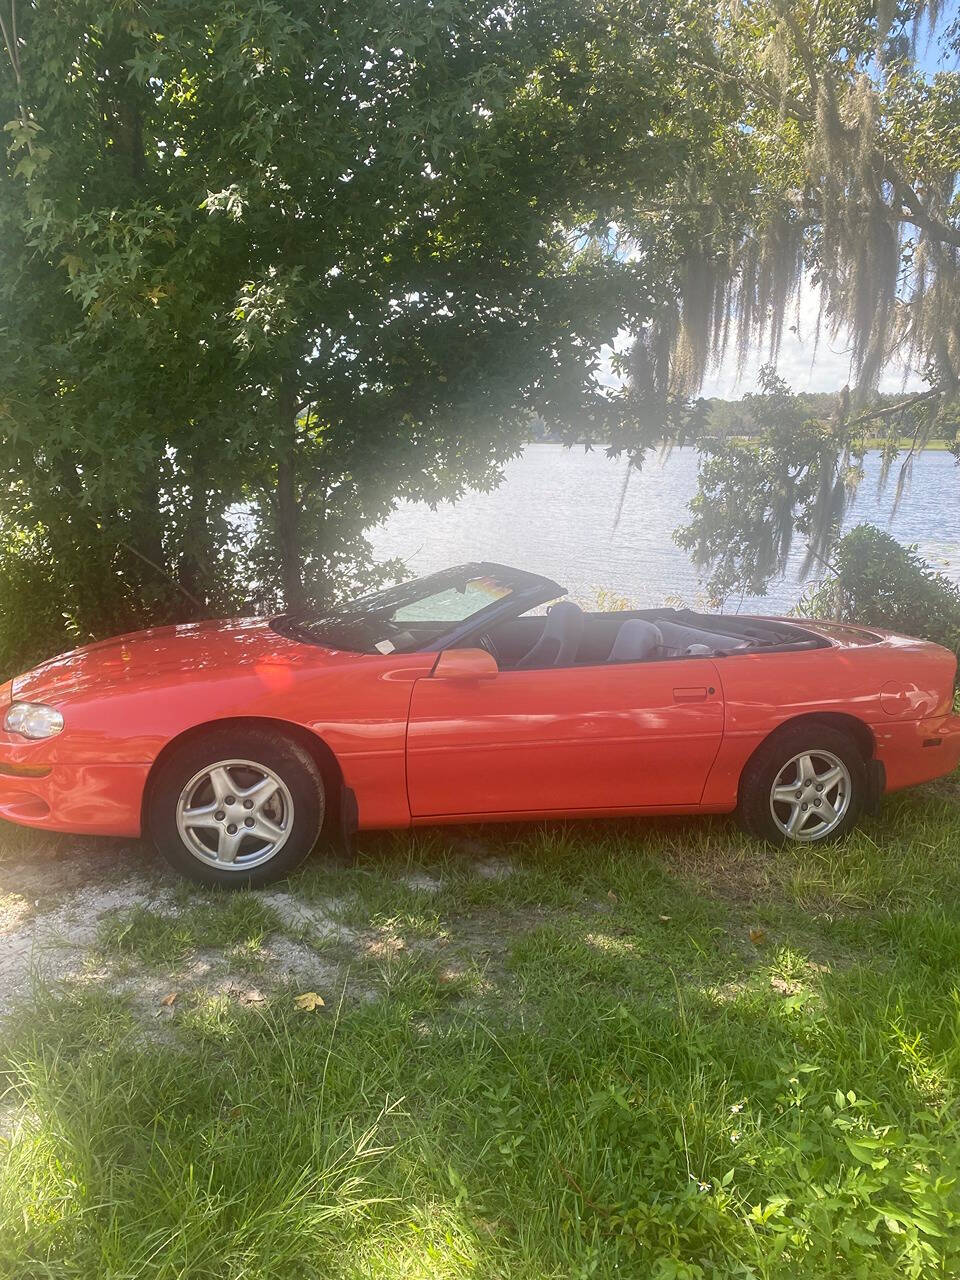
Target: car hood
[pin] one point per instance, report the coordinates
(164, 654)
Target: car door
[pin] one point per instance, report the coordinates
(618, 736)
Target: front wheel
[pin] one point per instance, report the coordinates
(236, 808)
(806, 784)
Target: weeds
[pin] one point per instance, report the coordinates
(605, 1051)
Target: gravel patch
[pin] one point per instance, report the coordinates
(56, 894)
(314, 921)
(51, 944)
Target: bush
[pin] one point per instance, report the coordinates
(881, 583)
(34, 621)
(54, 598)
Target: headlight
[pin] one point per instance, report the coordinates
(33, 720)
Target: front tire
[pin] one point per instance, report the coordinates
(807, 784)
(236, 808)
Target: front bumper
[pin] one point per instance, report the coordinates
(41, 788)
(90, 799)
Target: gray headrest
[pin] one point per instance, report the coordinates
(562, 617)
(560, 638)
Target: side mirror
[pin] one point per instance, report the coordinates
(465, 664)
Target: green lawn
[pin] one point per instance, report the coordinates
(907, 442)
(616, 1050)
(877, 442)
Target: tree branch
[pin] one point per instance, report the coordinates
(163, 572)
(804, 55)
(920, 398)
(12, 43)
(919, 216)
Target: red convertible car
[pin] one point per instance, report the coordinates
(455, 698)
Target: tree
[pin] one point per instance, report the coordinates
(794, 474)
(749, 501)
(842, 165)
(265, 271)
(844, 160)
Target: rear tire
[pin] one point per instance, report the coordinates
(236, 808)
(806, 784)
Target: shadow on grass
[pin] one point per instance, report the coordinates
(586, 1118)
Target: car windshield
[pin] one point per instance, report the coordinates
(404, 618)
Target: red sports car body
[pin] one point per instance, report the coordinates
(448, 700)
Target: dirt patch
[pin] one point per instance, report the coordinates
(494, 868)
(15, 909)
(56, 895)
(740, 877)
(314, 921)
(54, 944)
(296, 962)
(384, 945)
(54, 866)
(422, 881)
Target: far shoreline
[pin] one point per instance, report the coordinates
(870, 444)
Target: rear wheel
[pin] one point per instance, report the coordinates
(807, 783)
(236, 808)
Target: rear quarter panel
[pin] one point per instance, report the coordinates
(893, 684)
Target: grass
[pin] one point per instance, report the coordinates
(238, 921)
(881, 442)
(616, 1050)
(907, 442)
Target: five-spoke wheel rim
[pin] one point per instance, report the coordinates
(235, 814)
(811, 795)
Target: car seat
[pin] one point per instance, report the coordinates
(636, 640)
(559, 640)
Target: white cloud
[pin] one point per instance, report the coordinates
(605, 374)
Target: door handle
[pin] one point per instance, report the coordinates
(688, 694)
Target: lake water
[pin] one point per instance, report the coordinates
(554, 514)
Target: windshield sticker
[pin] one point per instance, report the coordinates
(384, 646)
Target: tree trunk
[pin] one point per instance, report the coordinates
(146, 534)
(287, 499)
(193, 568)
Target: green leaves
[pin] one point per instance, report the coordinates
(835, 158)
(877, 581)
(23, 133)
(300, 270)
(23, 140)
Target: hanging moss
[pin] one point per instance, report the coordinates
(860, 209)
